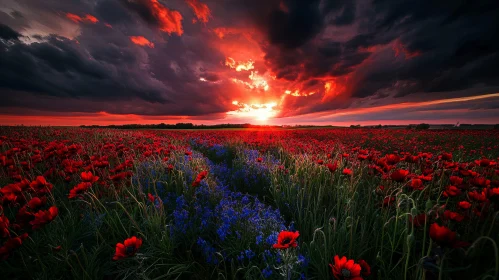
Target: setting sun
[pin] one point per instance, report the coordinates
(259, 112)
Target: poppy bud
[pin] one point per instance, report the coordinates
(429, 205)
(414, 211)
(410, 240)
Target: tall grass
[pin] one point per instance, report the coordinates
(225, 227)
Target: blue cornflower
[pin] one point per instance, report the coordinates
(267, 272)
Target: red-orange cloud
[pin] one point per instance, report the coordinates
(170, 21)
(77, 19)
(141, 41)
(201, 10)
(91, 18)
(73, 17)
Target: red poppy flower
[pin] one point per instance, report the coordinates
(89, 177)
(202, 175)
(332, 167)
(347, 171)
(150, 197)
(442, 234)
(44, 217)
(79, 189)
(480, 182)
(418, 220)
(345, 269)
(169, 168)
(464, 205)
(478, 196)
(449, 215)
(199, 178)
(259, 159)
(483, 162)
(120, 176)
(446, 156)
(4, 226)
(40, 185)
(11, 244)
(286, 239)
(388, 201)
(399, 175)
(494, 192)
(417, 184)
(411, 159)
(36, 202)
(451, 191)
(127, 248)
(361, 157)
(365, 268)
(392, 159)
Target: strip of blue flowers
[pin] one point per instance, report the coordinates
(221, 224)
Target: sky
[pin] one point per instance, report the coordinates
(284, 62)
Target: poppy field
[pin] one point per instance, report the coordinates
(95, 203)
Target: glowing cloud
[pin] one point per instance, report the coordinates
(201, 10)
(402, 105)
(77, 19)
(222, 31)
(332, 89)
(258, 81)
(169, 21)
(141, 41)
(260, 112)
(91, 18)
(327, 86)
(239, 66)
(298, 93)
(73, 17)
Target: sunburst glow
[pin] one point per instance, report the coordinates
(255, 111)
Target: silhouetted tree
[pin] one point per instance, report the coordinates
(423, 126)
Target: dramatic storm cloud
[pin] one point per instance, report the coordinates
(272, 61)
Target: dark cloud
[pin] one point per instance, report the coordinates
(7, 33)
(112, 12)
(343, 12)
(456, 40)
(60, 67)
(296, 24)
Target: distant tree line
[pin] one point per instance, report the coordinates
(420, 126)
(181, 126)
